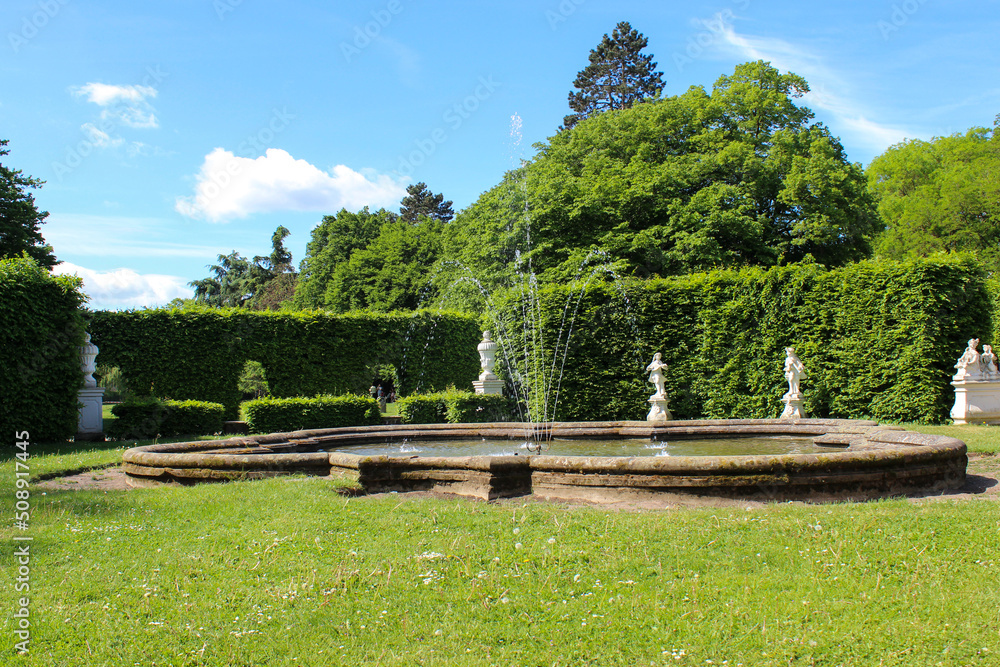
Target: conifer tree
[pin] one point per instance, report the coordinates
(421, 201)
(618, 76)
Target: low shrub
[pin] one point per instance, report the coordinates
(145, 418)
(279, 415)
(454, 407)
(422, 409)
(465, 407)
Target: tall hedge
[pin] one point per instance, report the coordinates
(199, 353)
(41, 331)
(879, 340)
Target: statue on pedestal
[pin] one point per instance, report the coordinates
(657, 377)
(795, 370)
(658, 401)
(969, 364)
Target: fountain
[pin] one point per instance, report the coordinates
(842, 460)
(845, 459)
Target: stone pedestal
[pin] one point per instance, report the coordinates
(488, 386)
(91, 423)
(793, 406)
(658, 412)
(976, 401)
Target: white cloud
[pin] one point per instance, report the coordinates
(829, 92)
(99, 138)
(104, 94)
(232, 187)
(125, 104)
(124, 288)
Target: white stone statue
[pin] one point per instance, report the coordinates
(794, 372)
(657, 377)
(988, 361)
(88, 361)
(658, 411)
(969, 364)
(977, 386)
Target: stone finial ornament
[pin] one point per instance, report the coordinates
(90, 425)
(488, 382)
(795, 370)
(487, 357)
(88, 361)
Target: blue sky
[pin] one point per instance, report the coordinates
(170, 132)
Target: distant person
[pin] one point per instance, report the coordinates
(373, 391)
(381, 399)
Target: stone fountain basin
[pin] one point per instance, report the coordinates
(865, 461)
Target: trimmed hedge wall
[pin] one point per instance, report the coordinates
(147, 418)
(454, 407)
(199, 353)
(879, 340)
(41, 331)
(280, 415)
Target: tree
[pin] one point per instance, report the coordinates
(681, 184)
(262, 283)
(232, 286)
(20, 219)
(421, 201)
(392, 273)
(333, 241)
(940, 195)
(618, 76)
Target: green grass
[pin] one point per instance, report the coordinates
(287, 571)
(981, 439)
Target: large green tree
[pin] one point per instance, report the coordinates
(940, 195)
(20, 219)
(737, 177)
(394, 272)
(618, 76)
(332, 243)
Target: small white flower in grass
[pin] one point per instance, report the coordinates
(518, 545)
(576, 577)
(517, 531)
(552, 540)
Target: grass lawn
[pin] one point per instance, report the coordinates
(285, 572)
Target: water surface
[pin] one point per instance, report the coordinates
(749, 446)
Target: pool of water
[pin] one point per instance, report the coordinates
(741, 446)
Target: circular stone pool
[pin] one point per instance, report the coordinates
(850, 459)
